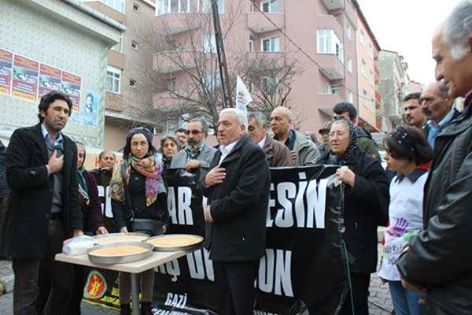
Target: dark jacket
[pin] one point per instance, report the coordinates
(367, 144)
(239, 205)
(365, 207)
(32, 191)
(92, 212)
(276, 153)
(4, 189)
(134, 205)
(440, 257)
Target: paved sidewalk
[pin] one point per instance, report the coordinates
(379, 300)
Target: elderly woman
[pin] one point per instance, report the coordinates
(93, 221)
(408, 154)
(365, 207)
(169, 147)
(139, 204)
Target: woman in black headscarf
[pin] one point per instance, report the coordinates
(365, 207)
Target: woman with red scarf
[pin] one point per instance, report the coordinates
(138, 195)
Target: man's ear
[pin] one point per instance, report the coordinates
(42, 112)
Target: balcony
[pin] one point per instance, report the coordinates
(331, 67)
(326, 102)
(176, 23)
(272, 60)
(162, 100)
(329, 22)
(333, 5)
(174, 61)
(258, 23)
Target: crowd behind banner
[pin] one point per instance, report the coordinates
(303, 268)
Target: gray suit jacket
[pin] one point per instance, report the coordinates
(205, 157)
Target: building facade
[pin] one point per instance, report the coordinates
(369, 98)
(312, 43)
(129, 78)
(48, 45)
(394, 86)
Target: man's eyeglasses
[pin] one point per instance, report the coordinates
(193, 132)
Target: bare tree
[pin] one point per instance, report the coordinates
(184, 72)
(270, 77)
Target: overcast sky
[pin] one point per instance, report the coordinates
(406, 26)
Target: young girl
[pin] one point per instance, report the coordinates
(409, 154)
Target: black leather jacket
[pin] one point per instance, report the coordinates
(440, 258)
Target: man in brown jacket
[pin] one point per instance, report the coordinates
(276, 153)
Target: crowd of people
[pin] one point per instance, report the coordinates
(423, 197)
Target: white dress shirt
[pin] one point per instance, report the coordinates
(226, 149)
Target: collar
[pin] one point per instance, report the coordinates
(290, 143)
(226, 149)
(443, 121)
(191, 152)
(262, 142)
(45, 132)
(417, 172)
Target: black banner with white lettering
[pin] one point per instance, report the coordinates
(302, 270)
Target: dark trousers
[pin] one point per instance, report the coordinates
(3, 211)
(80, 276)
(235, 281)
(360, 291)
(43, 286)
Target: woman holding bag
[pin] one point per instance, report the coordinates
(139, 204)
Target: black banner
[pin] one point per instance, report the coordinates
(302, 270)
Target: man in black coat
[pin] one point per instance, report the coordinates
(438, 261)
(237, 187)
(43, 209)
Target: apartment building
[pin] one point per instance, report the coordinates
(311, 42)
(129, 77)
(368, 75)
(394, 86)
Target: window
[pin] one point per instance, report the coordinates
(172, 85)
(113, 80)
(349, 32)
(177, 6)
(251, 45)
(118, 5)
(269, 84)
(119, 47)
(132, 83)
(327, 42)
(271, 44)
(350, 97)
(207, 6)
(349, 65)
(209, 44)
(135, 7)
(269, 6)
(134, 44)
(212, 81)
(332, 89)
(362, 38)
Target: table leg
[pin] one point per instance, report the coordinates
(135, 294)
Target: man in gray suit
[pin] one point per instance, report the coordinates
(196, 155)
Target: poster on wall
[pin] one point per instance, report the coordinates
(25, 78)
(87, 115)
(6, 68)
(71, 86)
(49, 79)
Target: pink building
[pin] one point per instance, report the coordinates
(319, 37)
